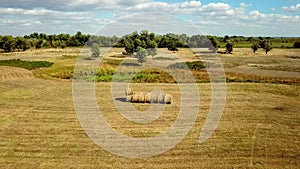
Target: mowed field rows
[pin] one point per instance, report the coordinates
(260, 126)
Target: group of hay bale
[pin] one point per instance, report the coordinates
(152, 97)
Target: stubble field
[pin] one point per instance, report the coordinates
(259, 128)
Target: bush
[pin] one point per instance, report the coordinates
(229, 47)
(296, 45)
(197, 65)
(95, 50)
(254, 47)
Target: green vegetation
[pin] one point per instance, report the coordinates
(29, 65)
(254, 47)
(229, 47)
(153, 76)
(141, 55)
(95, 50)
(266, 45)
(296, 44)
(164, 58)
(197, 65)
(131, 42)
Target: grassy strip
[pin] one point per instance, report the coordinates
(110, 74)
(197, 65)
(164, 58)
(29, 65)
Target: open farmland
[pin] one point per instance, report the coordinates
(259, 128)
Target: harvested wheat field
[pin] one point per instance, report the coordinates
(14, 73)
(39, 127)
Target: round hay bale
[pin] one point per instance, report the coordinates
(129, 98)
(135, 98)
(160, 98)
(153, 97)
(129, 91)
(147, 98)
(141, 98)
(167, 99)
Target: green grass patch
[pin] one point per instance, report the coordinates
(110, 74)
(153, 76)
(197, 65)
(29, 65)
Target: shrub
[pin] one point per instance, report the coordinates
(296, 44)
(197, 65)
(254, 47)
(229, 47)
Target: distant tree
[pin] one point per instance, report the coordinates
(226, 38)
(129, 46)
(63, 44)
(251, 39)
(56, 44)
(254, 47)
(8, 43)
(214, 44)
(296, 44)
(39, 44)
(262, 43)
(267, 46)
(172, 46)
(95, 50)
(77, 40)
(34, 35)
(141, 55)
(22, 43)
(229, 47)
(151, 48)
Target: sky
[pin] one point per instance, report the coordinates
(279, 18)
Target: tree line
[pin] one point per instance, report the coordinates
(133, 41)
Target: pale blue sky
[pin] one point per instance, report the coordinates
(215, 17)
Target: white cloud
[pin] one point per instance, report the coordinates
(186, 7)
(293, 8)
(244, 5)
(18, 11)
(216, 6)
(88, 16)
(190, 4)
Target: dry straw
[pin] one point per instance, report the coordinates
(152, 97)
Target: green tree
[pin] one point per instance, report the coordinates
(63, 44)
(129, 46)
(226, 38)
(22, 43)
(254, 47)
(39, 44)
(229, 47)
(141, 55)
(8, 43)
(267, 46)
(296, 44)
(151, 48)
(95, 50)
(214, 44)
(172, 45)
